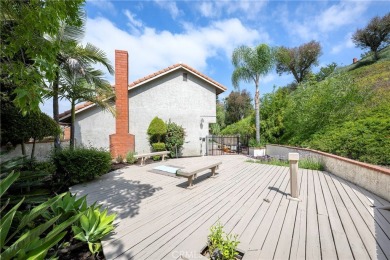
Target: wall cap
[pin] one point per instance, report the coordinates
(361, 164)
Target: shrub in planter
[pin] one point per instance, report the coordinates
(81, 164)
(158, 147)
(221, 245)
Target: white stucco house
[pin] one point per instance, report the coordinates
(178, 93)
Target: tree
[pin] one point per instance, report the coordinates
(84, 84)
(238, 105)
(17, 128)
(70, 54)
(27, 59)
(250, 64)
(298, 60)
(326, 71)
(375, 35)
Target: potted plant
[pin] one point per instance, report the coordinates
(256, 149)
(221, 246)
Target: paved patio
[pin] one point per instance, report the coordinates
(158, 218)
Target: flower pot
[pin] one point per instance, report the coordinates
(255, 152)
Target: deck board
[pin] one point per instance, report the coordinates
(158, 218)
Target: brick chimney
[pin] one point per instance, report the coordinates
(354, 60)
(121, 142)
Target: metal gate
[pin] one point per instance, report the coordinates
(223, 145)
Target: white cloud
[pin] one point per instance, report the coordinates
(250, 9)
(103, 5)
(347, 43)
(170, 6)
(317, 25)
(134, 24)
(151, 50)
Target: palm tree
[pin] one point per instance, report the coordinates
(250, 64)
(72, 55)
(84, 83)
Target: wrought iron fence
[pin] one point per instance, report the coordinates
(223, 145)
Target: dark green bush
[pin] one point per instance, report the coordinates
(174, 138)
(81, 164)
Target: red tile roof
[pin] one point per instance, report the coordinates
(149, 77)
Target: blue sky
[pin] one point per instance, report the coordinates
(203, 34)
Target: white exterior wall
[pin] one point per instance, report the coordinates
(93, 127)
(170, 98)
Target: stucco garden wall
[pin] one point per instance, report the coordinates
(42, 150)
(371, 177)
(190, 103)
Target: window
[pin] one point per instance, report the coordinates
(184, 76)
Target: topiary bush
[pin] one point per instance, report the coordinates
(81, 164)
(156, 130)
(174, 138)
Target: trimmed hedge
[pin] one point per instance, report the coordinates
(81, 164)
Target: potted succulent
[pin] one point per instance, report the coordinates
(256, 149)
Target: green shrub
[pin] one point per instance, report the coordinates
(158, 147)
(156, 130)
(221, 245)
(311, 164)
(81, 164)
(365, 140)
(244, 127)
(174, 138)
(130, 157)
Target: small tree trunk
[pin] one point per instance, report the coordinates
(33, 150)
(57, 140)
(376, 55)
(23, 148)
(71, 144)
(257, 110)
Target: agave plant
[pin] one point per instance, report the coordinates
(94, 225)
(17, 240)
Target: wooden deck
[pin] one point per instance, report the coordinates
(158, 218)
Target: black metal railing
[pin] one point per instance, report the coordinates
(223, 145)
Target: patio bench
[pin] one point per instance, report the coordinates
(144, 156)
(192, 171)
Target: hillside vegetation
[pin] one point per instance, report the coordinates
(347, 113)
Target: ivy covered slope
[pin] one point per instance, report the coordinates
(353, 113)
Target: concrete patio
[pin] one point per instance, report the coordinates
(158, 218)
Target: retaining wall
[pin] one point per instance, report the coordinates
(374, 178)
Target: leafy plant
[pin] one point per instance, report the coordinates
(81, 164)
(17, 239)
(119, 159)
(130, 157)
(311, 163)
(157, 147)
(174, 138)
(221, 245)
(255, 144)
(94, 224)
(66, 207)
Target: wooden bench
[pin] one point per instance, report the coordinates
(148, 155)
(193, 170)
